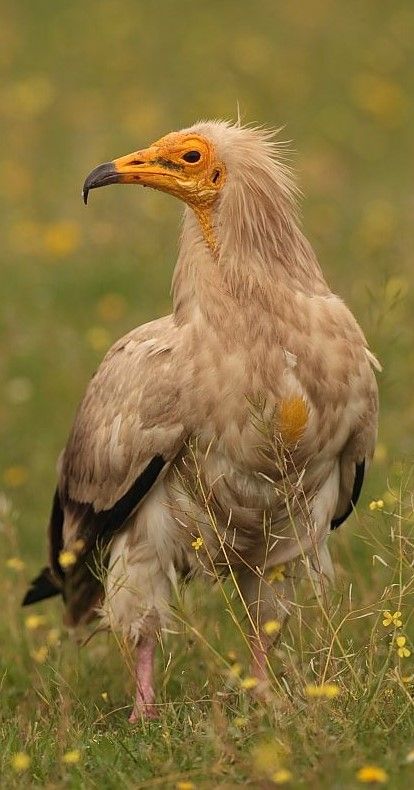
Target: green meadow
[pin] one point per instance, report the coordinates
(82, 83)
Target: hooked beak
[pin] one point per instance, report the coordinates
(100, 177)
(147, 167)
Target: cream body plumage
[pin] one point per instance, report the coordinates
(245, 419)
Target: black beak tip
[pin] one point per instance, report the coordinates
(100, 177)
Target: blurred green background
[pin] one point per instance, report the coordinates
(83, 82)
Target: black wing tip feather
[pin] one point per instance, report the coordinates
(358, 481)
(105, 523)
(41, 587)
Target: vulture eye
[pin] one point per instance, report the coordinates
(192, 156)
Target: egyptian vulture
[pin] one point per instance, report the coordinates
(233, 433)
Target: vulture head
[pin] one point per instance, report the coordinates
(231, 177)
(185, 164)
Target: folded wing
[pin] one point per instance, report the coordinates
(127, 431)
(358, 451)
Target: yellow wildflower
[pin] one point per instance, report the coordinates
(15, 564)
(249, 683)
(380, 97)
(34, 621)
(282, 777)
(410, 756)
(330, 690)
(197, 543)
(98, 338)
(271, 627)
(327, 690)
(39, 655)
(269, 757)
(61, 238)
(240, 722)
(236, 669)
(376, 504)
(20, 762)
(111, 307)
(372, 774)
(392, 619)
(67, 558)
(104, 696)
(15, 476)
(53, 636)
(402, 650)
(276, 574)
(185, 786)
(72, 757)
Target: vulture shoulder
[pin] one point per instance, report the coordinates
(130, 415)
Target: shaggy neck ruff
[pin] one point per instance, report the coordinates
(249, 247)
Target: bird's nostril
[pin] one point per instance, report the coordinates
(137, 162)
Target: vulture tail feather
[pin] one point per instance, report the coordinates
(41, 587)
(45, 584)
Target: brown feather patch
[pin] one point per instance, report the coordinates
(292, 419)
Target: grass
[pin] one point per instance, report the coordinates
(88, 82)
(341, 694)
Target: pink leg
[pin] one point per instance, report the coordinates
(259, 663)
(259, 670)
(144, 672)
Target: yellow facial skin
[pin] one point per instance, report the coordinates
(171, 165)
(185, 165)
